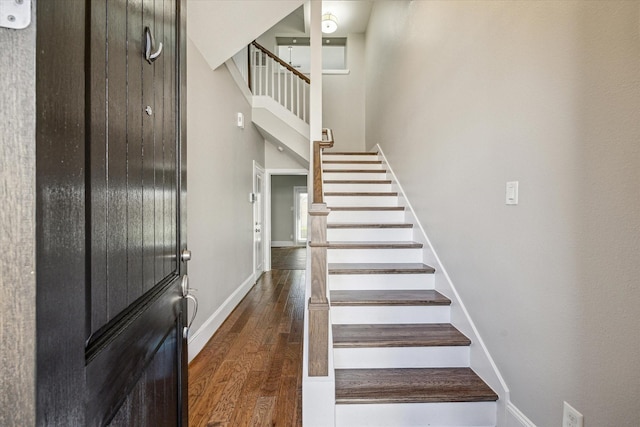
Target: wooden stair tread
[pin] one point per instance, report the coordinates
(380, 268)
(366, 208)
(351, 162)
(373, 245)
(371, 225)
(349, 153)
(354, 171)
(357, 181)
(398, 335)
(388, 297)
(358, 194)
(411, 385)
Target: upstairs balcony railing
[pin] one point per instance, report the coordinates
(268, 75)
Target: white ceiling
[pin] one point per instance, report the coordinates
(352, 15)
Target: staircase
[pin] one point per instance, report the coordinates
(398, 360)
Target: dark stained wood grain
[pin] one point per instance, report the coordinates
(356, 181)
(367, 208)
(351, 153)
(253, 375)
(61, 241)
(352, 162)
(354, 171)
(380, 268)
(356, 194)
(411, 385)
(388, 297)
(398, 335)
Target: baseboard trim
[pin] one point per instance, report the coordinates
(516, 418)
(200, 338)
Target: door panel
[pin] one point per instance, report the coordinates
(118, 342)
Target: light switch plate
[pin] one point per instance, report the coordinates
(241, 120)
(511, 197)
(571, 417)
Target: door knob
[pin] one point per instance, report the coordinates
(185, 255)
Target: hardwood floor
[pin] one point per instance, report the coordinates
(292, 258)
(250, 372)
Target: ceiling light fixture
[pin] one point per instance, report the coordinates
(329, 23)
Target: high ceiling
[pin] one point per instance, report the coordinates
(352, 16)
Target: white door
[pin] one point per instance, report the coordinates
(258, 214)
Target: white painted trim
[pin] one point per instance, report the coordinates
(336, 72)
(516, 418)
(270, 104)
(283, 243)
(258, 169)
(477, 339)
(267, 206)
(200, 338)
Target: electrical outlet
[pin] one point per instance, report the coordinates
(571, 417)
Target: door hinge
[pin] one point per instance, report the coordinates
(15, 14)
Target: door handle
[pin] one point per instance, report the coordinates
(188, 296)
(149, 46)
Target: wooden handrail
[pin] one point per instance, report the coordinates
(281, 62)
(318, 146)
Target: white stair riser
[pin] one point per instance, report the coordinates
(355, 187)
(355, 217)
(369, 234)
(401, 357)
(444, 414)
(350, 315)
(349, 157)
(369, 176)
(374, 255)
(352, 165)
(361, 200)
(349, 282)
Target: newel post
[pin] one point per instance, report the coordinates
(318, 302)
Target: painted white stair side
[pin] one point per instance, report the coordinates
(443, 414)
(369, 234)
(346, 164)
(360, 199)
(364, 215)
(356, 220)
(379, 186)
(374, 255)
(345, 282)
(353, 157)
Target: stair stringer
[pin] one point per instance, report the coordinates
(481, 361)
(281, 127)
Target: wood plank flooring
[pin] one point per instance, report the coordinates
(250, 372)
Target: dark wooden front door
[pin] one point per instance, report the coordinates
(110, 212)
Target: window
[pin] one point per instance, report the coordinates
(296, 51)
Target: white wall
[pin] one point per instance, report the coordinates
(343, 99)
(220, 177)
(274, 159)
(464, 96)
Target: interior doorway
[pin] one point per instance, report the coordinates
(285, 220)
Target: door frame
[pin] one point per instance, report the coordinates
(258, 169)
(297, 189)
(267, 207)
(62, 208)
